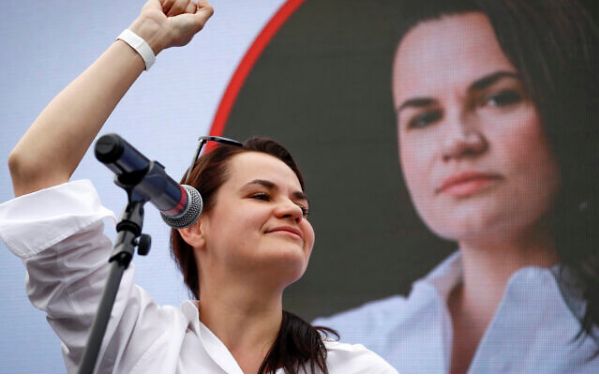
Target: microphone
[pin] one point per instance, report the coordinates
(180, 205)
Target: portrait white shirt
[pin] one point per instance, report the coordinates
(533, 330)
(58, 233)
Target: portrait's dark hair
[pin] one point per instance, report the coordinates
(299, 346)
(554, 46)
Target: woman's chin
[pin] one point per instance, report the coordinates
(490, 232)
(286, 265)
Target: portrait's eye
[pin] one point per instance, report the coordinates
(424, 119)
(503, 98)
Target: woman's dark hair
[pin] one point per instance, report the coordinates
(554, 46)
(299, 347)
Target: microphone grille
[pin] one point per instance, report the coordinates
(191, 212)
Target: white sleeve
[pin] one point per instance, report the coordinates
(346, 358)
(58, 233)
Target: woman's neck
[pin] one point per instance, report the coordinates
(245, 320)
(487, 268)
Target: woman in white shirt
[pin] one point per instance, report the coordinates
(252, 240)
(497, 122)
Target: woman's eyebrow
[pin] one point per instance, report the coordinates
(418, 102)
(490, 79)
(265, 183)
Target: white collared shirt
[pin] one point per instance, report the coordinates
(58, 233)
(533, 330)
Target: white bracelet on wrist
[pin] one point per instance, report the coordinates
(139, 45)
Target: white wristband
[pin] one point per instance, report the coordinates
(139, 45)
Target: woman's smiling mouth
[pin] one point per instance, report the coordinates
(287, 230)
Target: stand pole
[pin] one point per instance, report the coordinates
(129, 230)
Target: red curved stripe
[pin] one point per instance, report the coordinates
(247, 63)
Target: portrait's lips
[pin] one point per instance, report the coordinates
(290, 230)
(466, 183)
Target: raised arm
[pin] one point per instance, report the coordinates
(55, 143)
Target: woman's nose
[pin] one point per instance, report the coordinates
(289, 209)
(463, 140)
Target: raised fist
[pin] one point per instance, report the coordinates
(167, 23)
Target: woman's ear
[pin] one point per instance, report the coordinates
(194, 235)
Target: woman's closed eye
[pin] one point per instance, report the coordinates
(265, 196)
(262, 196)
(305, 210)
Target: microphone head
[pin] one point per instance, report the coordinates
(192, 210)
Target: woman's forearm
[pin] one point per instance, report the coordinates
(55, 143)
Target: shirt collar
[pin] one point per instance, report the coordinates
(445, 276)
(554, 319)
(215, 348)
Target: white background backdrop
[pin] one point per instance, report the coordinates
(46, 44)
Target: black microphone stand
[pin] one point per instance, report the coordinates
(129, 236)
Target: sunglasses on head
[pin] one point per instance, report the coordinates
(203, 141)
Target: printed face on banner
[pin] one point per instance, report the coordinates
(472, 147)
